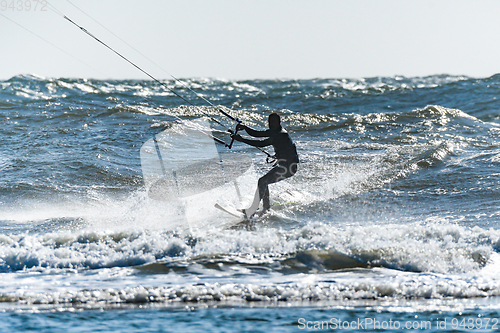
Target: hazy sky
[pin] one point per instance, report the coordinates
(253, 39)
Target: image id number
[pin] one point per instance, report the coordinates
(23, 5)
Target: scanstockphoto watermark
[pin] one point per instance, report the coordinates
(362, 324)
(23, 5)
(374, 324)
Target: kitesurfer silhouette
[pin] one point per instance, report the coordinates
(287, 159)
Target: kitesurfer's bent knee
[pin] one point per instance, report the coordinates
(279, 172)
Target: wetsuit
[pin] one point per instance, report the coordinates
(286, 156)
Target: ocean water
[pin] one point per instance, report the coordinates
(391, 222)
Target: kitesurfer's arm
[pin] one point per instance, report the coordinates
(254, 133)
(255, 143)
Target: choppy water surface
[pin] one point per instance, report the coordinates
(393, 214)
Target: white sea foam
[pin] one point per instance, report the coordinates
(119, 287)
(110, 237)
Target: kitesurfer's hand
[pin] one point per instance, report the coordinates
(237, 137)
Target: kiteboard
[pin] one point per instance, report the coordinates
(231, 211)
(238, 213)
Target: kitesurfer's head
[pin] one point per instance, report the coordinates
(274, 121)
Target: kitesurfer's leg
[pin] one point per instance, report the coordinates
(263, 188)
(255, 205)
(262, 192)
(265, 200)
(274, 175)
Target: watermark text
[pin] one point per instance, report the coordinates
(374, 324)
(23, 5)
